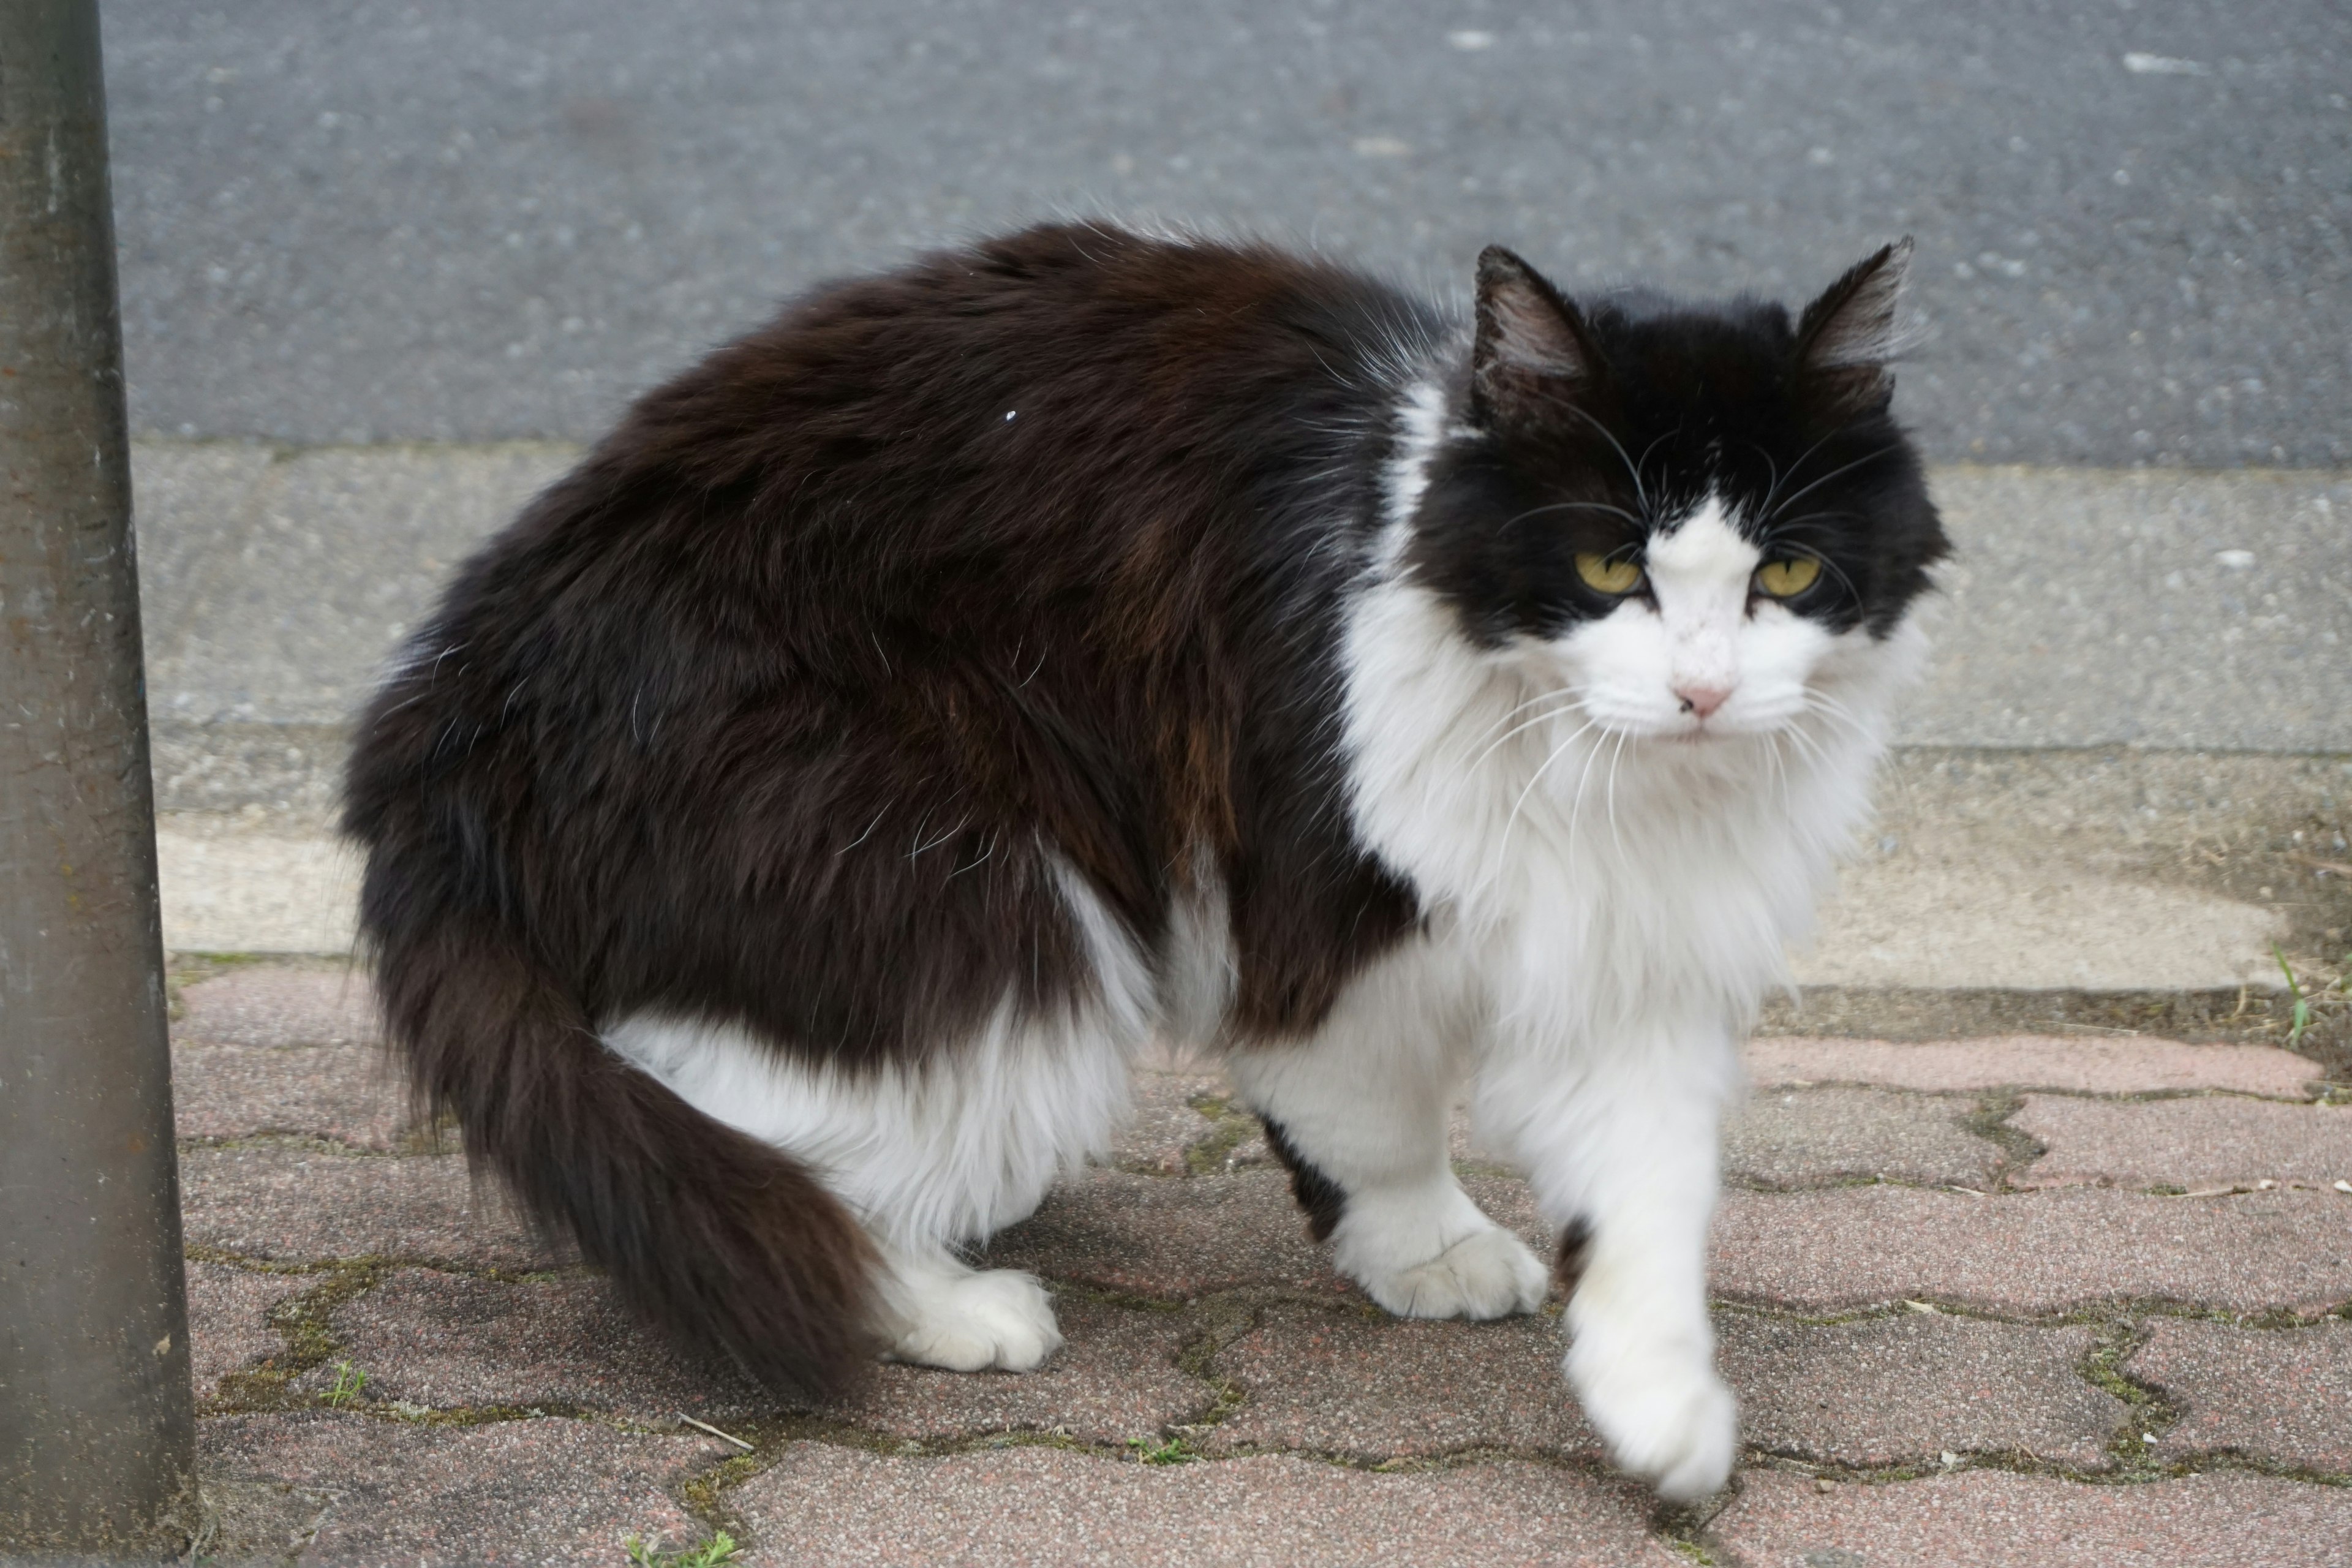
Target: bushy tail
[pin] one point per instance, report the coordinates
(727, 1244)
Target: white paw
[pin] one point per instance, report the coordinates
(970, 1321)
(1488, 1274)
(1665, 1414)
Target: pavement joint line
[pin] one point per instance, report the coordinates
(2147, 1413)
(305, 1323)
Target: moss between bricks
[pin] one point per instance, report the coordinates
(304, 1321)
(1231, 1128)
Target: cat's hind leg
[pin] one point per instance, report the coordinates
(1359, 1113)
(929, 1157)
(940, 1311)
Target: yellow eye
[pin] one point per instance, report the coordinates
(1607, 574)
(1787, 579)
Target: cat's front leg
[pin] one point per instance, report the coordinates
(1359, 1113)
(1623, 1155)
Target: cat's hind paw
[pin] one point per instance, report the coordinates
(969, 1322)
(1487, 1274)
(1667, 1419)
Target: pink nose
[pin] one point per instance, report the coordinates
(1703, 701)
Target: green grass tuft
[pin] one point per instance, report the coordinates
(720, 1548)
(350, 1382)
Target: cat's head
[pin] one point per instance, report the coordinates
(1689, 515)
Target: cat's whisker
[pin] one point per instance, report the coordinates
(1869, 456)
(1550, 714)
(1641, 491)
(1780, 767)
(1503, 843)
(1794, 468)
(1515, 708)
(1571, 506)
(1576, 807)
(1616, 839)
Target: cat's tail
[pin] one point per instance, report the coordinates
(725, 1242)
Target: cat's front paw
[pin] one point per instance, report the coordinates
(1487, 1274)
(1665, 1414)
(971, 1322)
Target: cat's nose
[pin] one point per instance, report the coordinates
(1702, 701)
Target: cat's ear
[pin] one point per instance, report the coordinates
(1532, 346)
(1848, 339)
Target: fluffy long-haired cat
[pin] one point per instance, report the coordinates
(786, 835)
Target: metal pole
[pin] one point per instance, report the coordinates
(97, 1422)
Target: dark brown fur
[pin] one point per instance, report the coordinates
(783, 689)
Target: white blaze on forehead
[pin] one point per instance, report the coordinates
(1704, 552)
(1699, 575)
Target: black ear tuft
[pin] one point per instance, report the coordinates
(1531, 345)
(1848, 338)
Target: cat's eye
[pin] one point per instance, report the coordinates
(1608, 574)
(1787, 579)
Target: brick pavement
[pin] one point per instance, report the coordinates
(2024, 1302)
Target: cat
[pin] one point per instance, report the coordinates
(784, 836)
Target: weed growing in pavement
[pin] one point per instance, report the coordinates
(348, 1383)
(1175, 1451)
(2299, 1016)
(719, 1548)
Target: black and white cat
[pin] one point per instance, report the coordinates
(784, 836)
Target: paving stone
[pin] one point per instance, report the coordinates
(1994, 1519)
(2277, 1394)
(294, 1205)
(448, 1340)
(1164, 1124)
(824, 1505)
(537, 1492)
(279, 1004)
(345, 1092)
(2091, 1065)
(1114, 1378)
(2033, 1252)
(1886, 1390)
(1166, 1238)
(1175, 1240)
(228, 1319)
(1870, 1393)
(2205, 1141)
(1365, 1386)
(1802, 1137)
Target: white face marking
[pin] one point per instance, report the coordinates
(1699, 661)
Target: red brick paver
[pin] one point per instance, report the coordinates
(228, 1319)
(2206, 1141)
(1017, 1507)
(1361, 1384)
(2279, 1395)
(534, 1491)
(279, 1005)
(342, 1092)
(1886, 1390)
(2094, 1065)
(1877, 1392)
(2033, 1252)
(447, 1341)
(1801, 1137)
(293, 1206)
(1992, 1518)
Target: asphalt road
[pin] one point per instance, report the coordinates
(466, 219)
